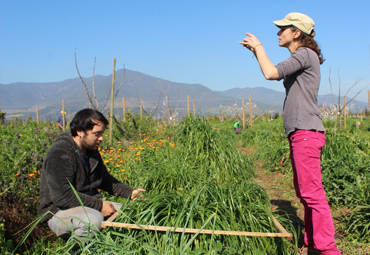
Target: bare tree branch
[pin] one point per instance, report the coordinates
(87, 90)
(93, 85)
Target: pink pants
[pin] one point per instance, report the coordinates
(305, 149)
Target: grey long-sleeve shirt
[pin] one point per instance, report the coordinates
(301, 74)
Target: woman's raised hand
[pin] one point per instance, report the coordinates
(250, 42)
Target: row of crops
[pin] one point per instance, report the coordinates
(195, 178)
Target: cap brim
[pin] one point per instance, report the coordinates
(282, 23)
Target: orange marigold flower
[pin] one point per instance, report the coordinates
(106, 161)
(31, 175)
(20, 135)
(118, 156)
(119, 142)
(118, 165)
(123, 170)
(17, 174)
(138, 153)
(35, 172)
(121, 161)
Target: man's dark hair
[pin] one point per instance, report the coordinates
(85, 120)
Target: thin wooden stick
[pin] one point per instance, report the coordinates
(192, 230)
(113, 217)
(281, 228)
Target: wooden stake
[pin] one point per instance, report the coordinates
(112, 103)
(64, 116)
(37, 115)
(124, 109)
(243, 114)
(345, 115)
(194, 108)
(141, 110)
(188, 106)
(250, 110)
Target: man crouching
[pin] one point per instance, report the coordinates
(74, 160)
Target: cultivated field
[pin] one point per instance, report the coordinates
(198, 174)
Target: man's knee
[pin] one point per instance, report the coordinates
(83, 221)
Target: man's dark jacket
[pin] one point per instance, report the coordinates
(64, 165)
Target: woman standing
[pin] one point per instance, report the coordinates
(302, 121)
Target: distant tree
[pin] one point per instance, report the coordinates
(92, 96)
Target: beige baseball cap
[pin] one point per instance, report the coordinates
(300, 21)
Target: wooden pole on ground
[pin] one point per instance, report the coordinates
(112, 102)
(250, 110)
(37, 115)
(345, 114)
(243, 114)
(109, 223)
(124, 109)
(188, 106)
(64, 115)
(194, 108)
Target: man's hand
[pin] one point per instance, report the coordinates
(107, 209)
(135, 193)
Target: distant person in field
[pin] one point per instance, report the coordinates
(237, 128)
(74, 160)
(60, 120)
(302, 121)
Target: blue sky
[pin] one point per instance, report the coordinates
(191, 41)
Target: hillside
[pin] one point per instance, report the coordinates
(151, 91)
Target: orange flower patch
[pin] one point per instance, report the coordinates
(31, 175)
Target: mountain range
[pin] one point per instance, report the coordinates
(136, 87)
